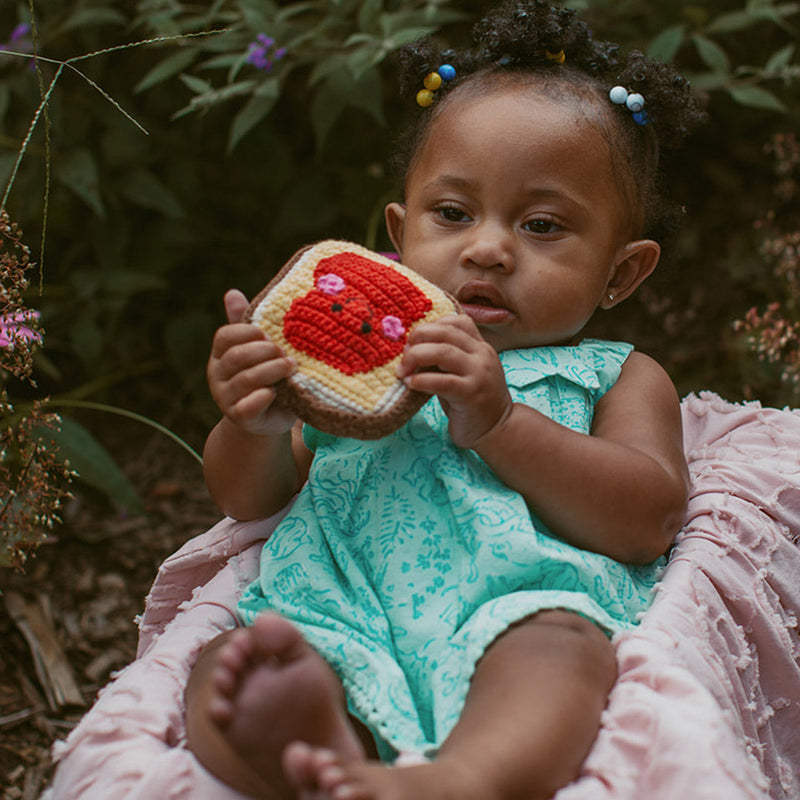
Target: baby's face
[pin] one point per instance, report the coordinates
(512, 207)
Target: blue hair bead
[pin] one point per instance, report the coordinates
(446, 72)
(633, 101)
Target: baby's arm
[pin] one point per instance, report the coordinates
(254, 459)
(621, 491)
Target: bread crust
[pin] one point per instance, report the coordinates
(365, 404)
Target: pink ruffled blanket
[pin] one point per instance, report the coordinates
(707, 704)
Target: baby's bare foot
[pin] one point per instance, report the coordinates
(318, 772)
(270, 688)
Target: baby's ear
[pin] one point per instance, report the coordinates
(395, 215)
(635, 261)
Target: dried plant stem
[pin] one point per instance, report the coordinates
(70, 64)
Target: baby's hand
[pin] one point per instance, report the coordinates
(243, 367)
(468, 376)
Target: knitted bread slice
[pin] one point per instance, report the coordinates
(344, 313)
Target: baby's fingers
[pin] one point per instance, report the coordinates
(243, 357)
(458, 329)
(433, 355)
(235, 305)
(230, 390)
(233, 335)
(253, 406)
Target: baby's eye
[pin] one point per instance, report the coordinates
(452, 214)
(541, 225)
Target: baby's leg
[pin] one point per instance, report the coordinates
(253, 691)
(532, 713)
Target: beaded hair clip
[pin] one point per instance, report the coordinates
(633, 101)
(432, 82)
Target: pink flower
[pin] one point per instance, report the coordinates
(330, 283)
(13, 330)
(393, 327)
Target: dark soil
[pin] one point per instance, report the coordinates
(91, 579)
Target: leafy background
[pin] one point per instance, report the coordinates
(169, 166)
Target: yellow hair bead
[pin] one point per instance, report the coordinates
(432, 81)
(425, 98)
(558, 57)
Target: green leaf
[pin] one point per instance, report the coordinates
(94, 465)
(223, 61)
(756, 97)
(392, 23)
(85, 17)
(215, 96)
(145, 190)
(368, 14)
(294, 9)
(780, 59)
(708, 81)
(406, 35)
(170, 66)
(325, 110)
(732, 21)
(78, 171)
(325, 66)
(259, 105)
(257, 14)
(197, 85)
(666, 44)
(340, 90)
(364, 59)
(712, 54)
(752, 15)
(359, 38)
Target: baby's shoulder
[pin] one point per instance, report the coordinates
(642, 382)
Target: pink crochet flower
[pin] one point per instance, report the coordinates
(392, 327)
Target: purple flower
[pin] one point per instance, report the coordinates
(22, 30)
(263, 54)
(19, 39)
(13, 330)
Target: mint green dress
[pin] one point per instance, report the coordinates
(404, 558)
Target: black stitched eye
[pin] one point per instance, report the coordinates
(366, 327)
(336, 307)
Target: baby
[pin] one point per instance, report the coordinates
(433, 617)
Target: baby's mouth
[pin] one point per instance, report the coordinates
(484, 303)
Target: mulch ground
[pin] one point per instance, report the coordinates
(88, 583)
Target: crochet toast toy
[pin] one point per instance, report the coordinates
(344, 313)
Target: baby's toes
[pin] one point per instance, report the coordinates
(337, 783)
(299, 767)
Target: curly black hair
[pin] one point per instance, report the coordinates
(518, 44)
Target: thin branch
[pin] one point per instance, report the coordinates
(69, 63)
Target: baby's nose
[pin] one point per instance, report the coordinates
(490, 247)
